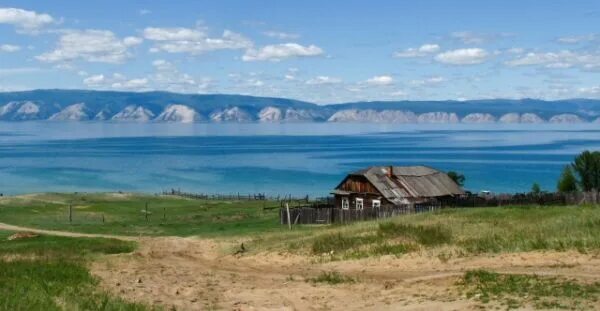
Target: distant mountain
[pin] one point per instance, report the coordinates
(82, 105)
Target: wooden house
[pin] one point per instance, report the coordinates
(394, 186)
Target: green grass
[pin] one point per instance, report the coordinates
(517, 290)
(332, 278)
(50, 273)
(125, 214)
(466, 231)
(455, 232)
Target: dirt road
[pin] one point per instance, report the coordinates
(201, 274)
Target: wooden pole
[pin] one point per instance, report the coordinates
(289, 220)
(146, 211)
(164, 213)
(70, 213)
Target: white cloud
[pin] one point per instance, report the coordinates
(468, 37)
(17, 71)
(431, 81)
(562, 59)
(577, 39)
(590, 91)
(193, 41)
(277, 52)
(166, 77)
(9, 48)
(133, 84)
(95, 80)
(469, 56)
(421, 51)
(322, 80)
(380, 80)
(101, 46)
(23, 20)
(281, 35)
(144, 12)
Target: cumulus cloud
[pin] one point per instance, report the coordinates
(431, 81)
(193, 41)
(578, 39)
(590, 91)
(421, 51)
(281, 35)
(562, 59)
(322, 80)
(380, 80)
(101, 46)
(23, 20)
(277, 52)
(165, 77)
(469, 56)
(9, 48)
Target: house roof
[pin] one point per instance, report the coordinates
(409, 182)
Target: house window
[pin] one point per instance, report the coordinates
(359, 203)
(345, 203)
(376, 203)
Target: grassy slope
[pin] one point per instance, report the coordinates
(467, 231)
(50, 273)
(125, 215)
(458, 231)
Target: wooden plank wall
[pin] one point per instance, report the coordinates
(341, 216)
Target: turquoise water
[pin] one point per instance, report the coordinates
(278, 159)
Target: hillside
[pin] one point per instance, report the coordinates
(82, 105)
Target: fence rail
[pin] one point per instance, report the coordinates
(308, 215)
(553, 198)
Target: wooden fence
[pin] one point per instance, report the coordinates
(308, 215)
(552, 198)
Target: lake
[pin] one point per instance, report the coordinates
(277, 159)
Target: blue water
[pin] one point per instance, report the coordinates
(278, 159)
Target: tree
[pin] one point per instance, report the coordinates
(587, 167)
(458, 178)
(567, 181)
(535, 188)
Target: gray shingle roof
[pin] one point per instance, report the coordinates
(410, 182)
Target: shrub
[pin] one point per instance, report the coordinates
(424, 235)
(332, 278)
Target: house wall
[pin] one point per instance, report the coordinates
(357, 184)
(367, 200)
(359, 187)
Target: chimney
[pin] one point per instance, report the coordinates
(390, 171)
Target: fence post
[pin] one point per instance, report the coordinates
(289, 221)
(70, 213)
(146, 211)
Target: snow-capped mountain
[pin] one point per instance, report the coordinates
(566, 118)
(62, 105)
(134, 113)
(373, 116)
(75, 112)
(520, 118)
(234, 114)
(22, 111)
(479, 118)
(270, 114)
(179, 113)
(438, 117)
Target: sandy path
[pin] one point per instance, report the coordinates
(199, 274)
(8, 227)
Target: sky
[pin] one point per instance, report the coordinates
(318, 51)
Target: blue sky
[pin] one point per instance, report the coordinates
(320, 51)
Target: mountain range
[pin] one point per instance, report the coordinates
(84, 105)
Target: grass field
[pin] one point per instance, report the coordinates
(126, 214)
(453, 232)
(50, 273)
